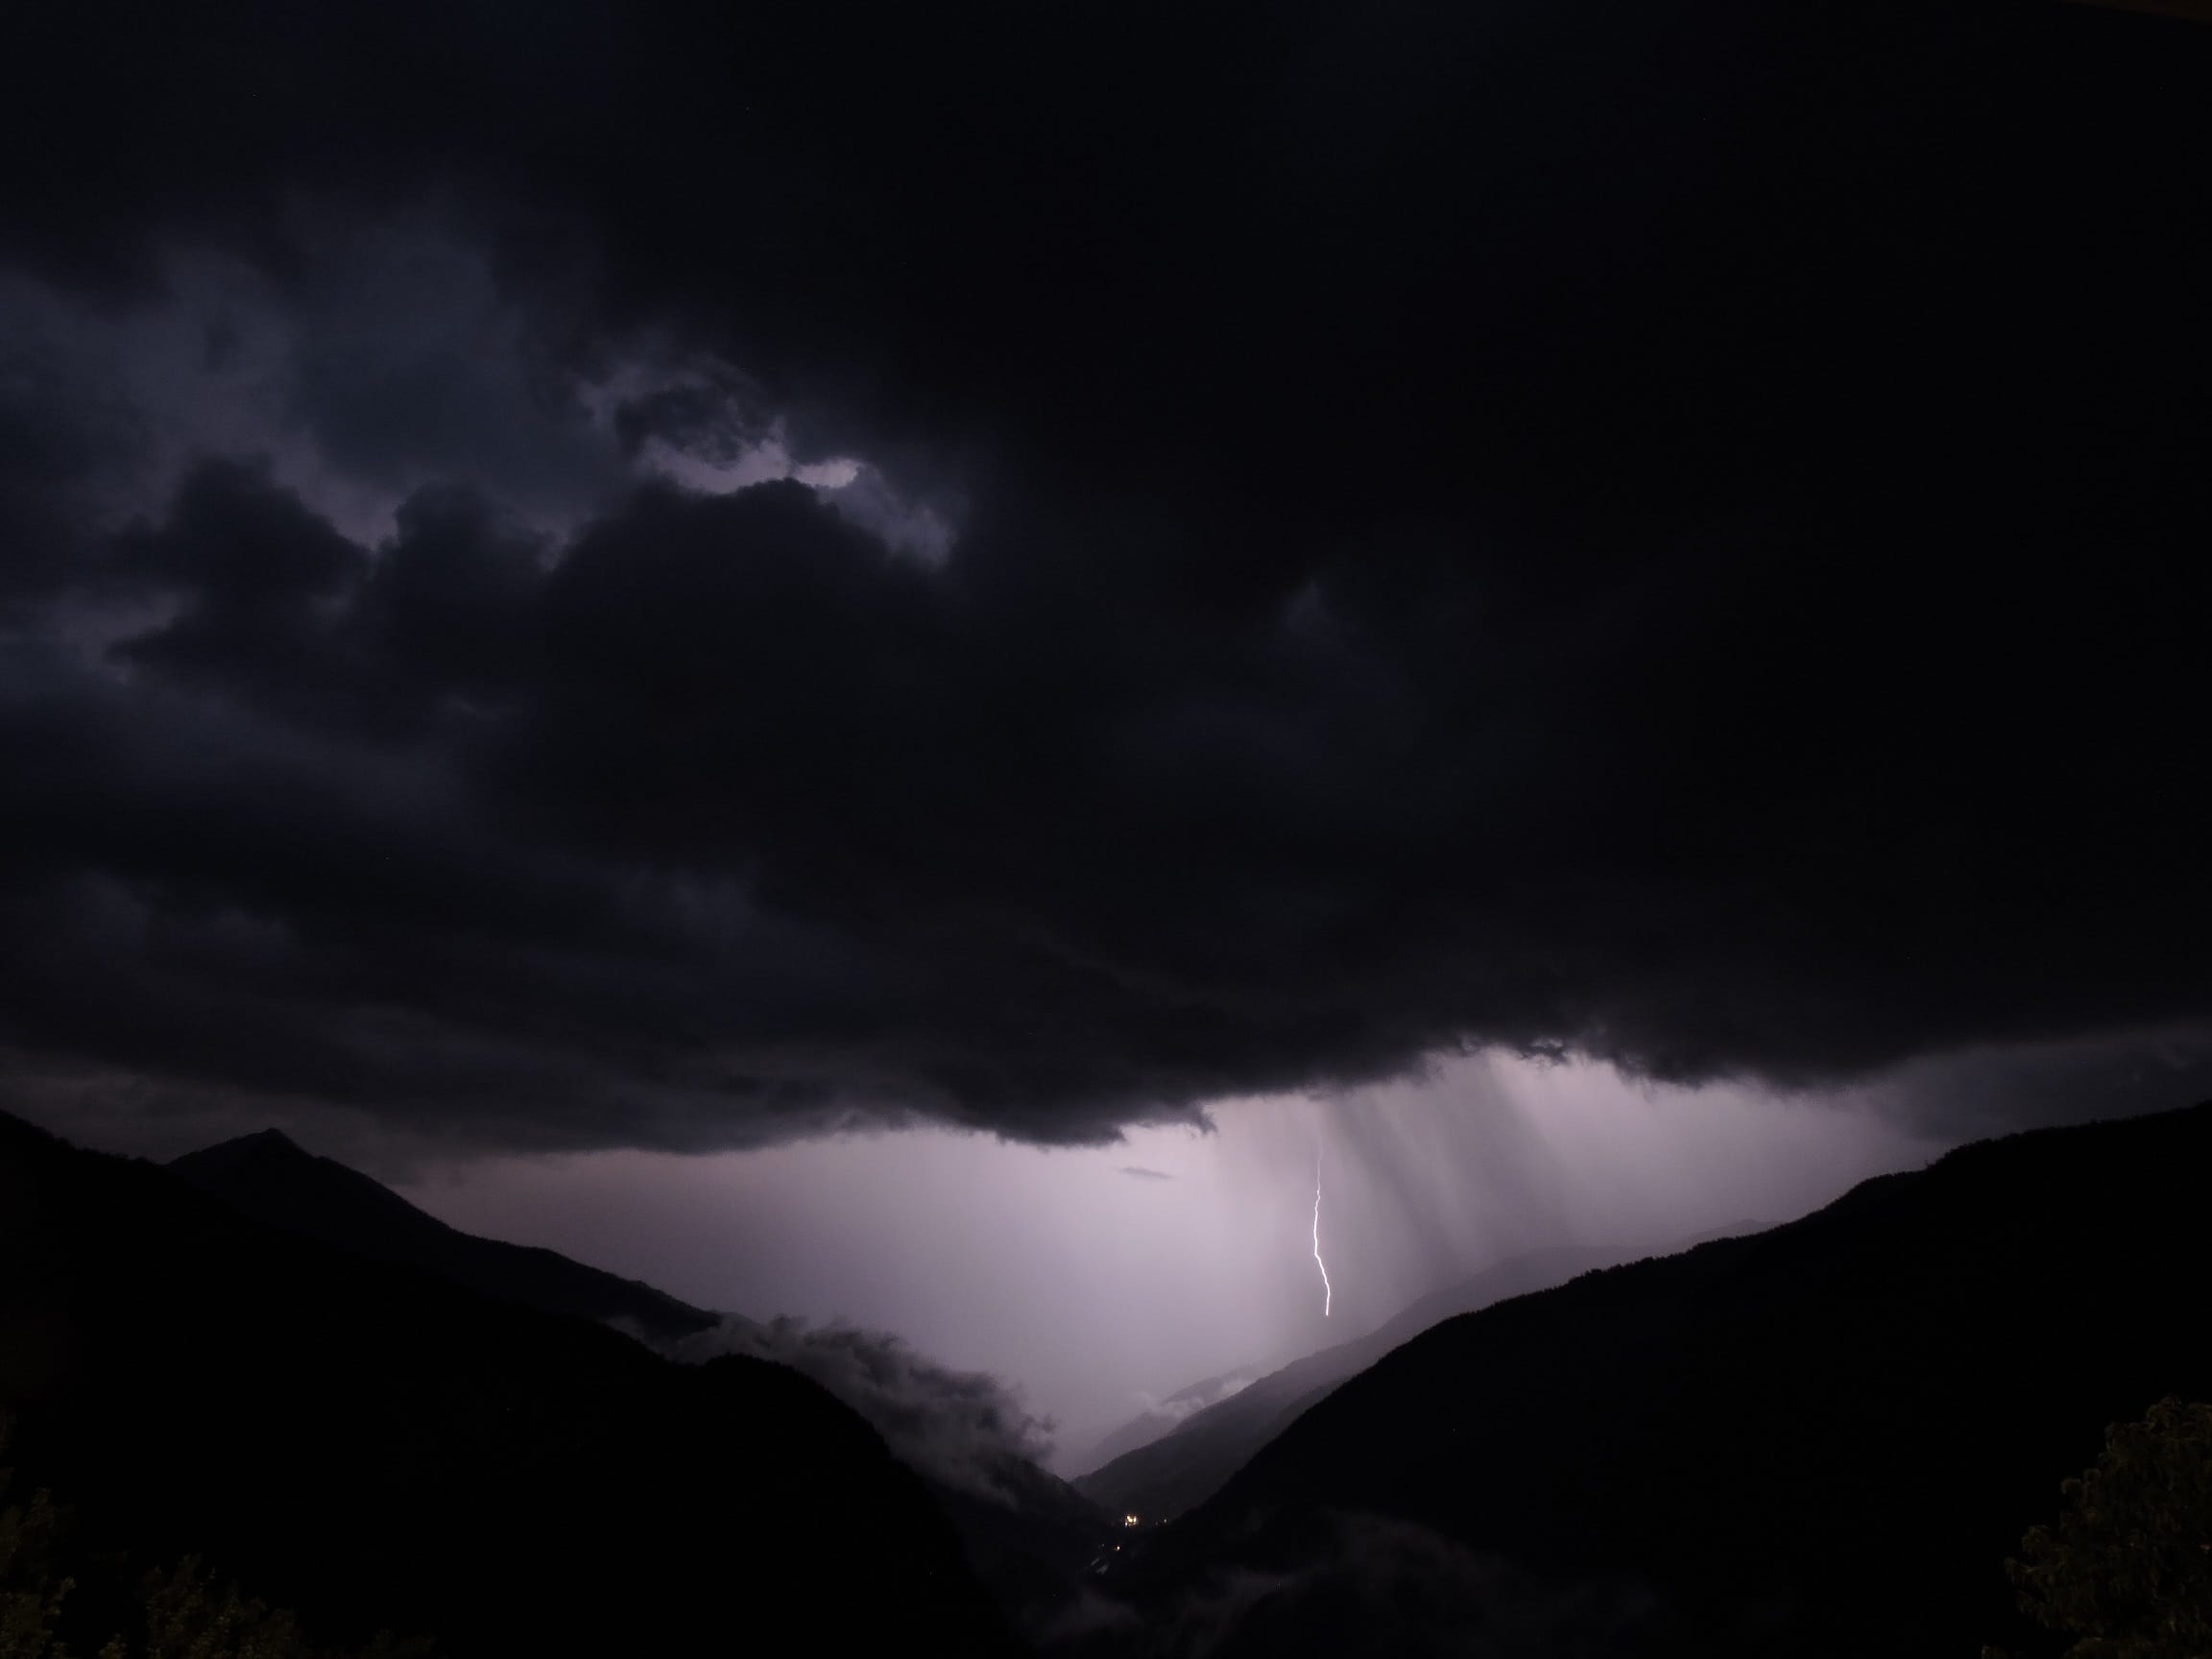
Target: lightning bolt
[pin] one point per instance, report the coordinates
(1327, 1294)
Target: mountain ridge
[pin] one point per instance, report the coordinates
(1189, 1461)
(1821, 1438)
(270, 1178)
(1028, 1546)
(379, 1449)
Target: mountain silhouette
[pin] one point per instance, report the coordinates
(377, 1449)
(1823, 1439)
(1028, 1544)
(269, 1178)
(1158, 1474)
(1190, 1462)
(1171, 1414)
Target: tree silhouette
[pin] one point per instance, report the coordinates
(2128, 1568)
(31, 1586)
(181, 1612)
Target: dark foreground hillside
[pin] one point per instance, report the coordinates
(1181, 1468)
(1823, 1439)
(1028, 1542)
(378, 1450)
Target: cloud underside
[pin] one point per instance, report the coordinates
(1674, 543)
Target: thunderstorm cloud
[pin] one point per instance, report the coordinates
(683, 579)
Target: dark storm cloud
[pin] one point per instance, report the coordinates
(1669, 534)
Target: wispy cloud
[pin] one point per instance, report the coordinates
(962, 1428)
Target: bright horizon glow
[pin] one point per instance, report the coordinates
(986, 1255)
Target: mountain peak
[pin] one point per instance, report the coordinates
(269, 1177)
(263, 1149)
(271, 1139)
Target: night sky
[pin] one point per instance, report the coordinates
(691, 630)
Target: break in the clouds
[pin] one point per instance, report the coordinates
(680, 578)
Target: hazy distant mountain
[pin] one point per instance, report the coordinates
(1171, 1414)
(376, 1448)
(1187, 1456)
(270, 1178)
(1820, 1440)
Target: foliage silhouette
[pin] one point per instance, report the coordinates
(2128, 1566)
(181, 1612)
